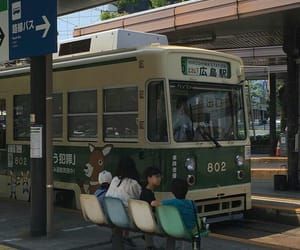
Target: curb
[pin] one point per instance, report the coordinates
(252, 242)
(285, 211)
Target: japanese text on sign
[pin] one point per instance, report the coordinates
(205, 68)
(23, 26)
(65, 162)
(64, 159)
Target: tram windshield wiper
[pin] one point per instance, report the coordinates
(206, 135)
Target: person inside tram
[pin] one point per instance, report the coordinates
(182, 123)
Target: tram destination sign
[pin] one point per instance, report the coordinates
(27, 28)
(205, 68)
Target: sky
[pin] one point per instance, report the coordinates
(67, 23)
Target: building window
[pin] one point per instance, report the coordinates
(82, 115)
(120, 114)
(22, 117)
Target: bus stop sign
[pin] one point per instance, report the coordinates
(32, 28)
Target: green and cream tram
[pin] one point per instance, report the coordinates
(116, 96)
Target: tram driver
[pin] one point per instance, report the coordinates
(182, 123)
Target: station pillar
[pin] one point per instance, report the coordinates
(41, 146)
(291, 47)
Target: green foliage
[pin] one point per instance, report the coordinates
(131, 6)
(121, 4)
(158, 3)
(105, 15)
(257, 89)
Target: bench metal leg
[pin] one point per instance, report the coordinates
(170, 244)
(117, 239)
(197, 244)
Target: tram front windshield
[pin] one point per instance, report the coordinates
(207, 112)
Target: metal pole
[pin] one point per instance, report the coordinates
(273, 139)
(41, 166)
(49, 168)
(38, 168)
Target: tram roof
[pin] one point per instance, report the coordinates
(90, 57)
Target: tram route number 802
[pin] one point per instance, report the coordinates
(216, 167)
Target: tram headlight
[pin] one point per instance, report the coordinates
(190, 164)
(239, 160)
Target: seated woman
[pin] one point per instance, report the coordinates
(125, 185)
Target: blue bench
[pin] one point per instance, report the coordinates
(138, 217)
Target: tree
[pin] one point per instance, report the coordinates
(158, 3)
(105, 15)
(283, 106)
(133, 6)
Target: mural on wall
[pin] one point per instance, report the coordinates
(19, 185)
(13, 184)
(94, 166)
(25, 186)
(65, 163)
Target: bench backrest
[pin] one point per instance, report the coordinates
(91, 209)
(171, 222)
(143, 217)
(117, 213)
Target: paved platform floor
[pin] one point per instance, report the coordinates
(73, 233)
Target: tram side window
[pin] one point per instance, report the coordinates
(21, 117)
(57, 116)
(82, 115)
(120, 114)
(157, 121)
(2, 123)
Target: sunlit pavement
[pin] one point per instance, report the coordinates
(72, 232)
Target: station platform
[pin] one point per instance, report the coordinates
(273, 223)
(274, 220)
(268, 203)
(72, 232)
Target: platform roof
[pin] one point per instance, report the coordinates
(254, 29)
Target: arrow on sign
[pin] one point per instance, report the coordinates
(1, 36)
(45, 26)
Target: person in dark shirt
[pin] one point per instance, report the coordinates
(179, 188)
(186, 209)
(153, 177)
